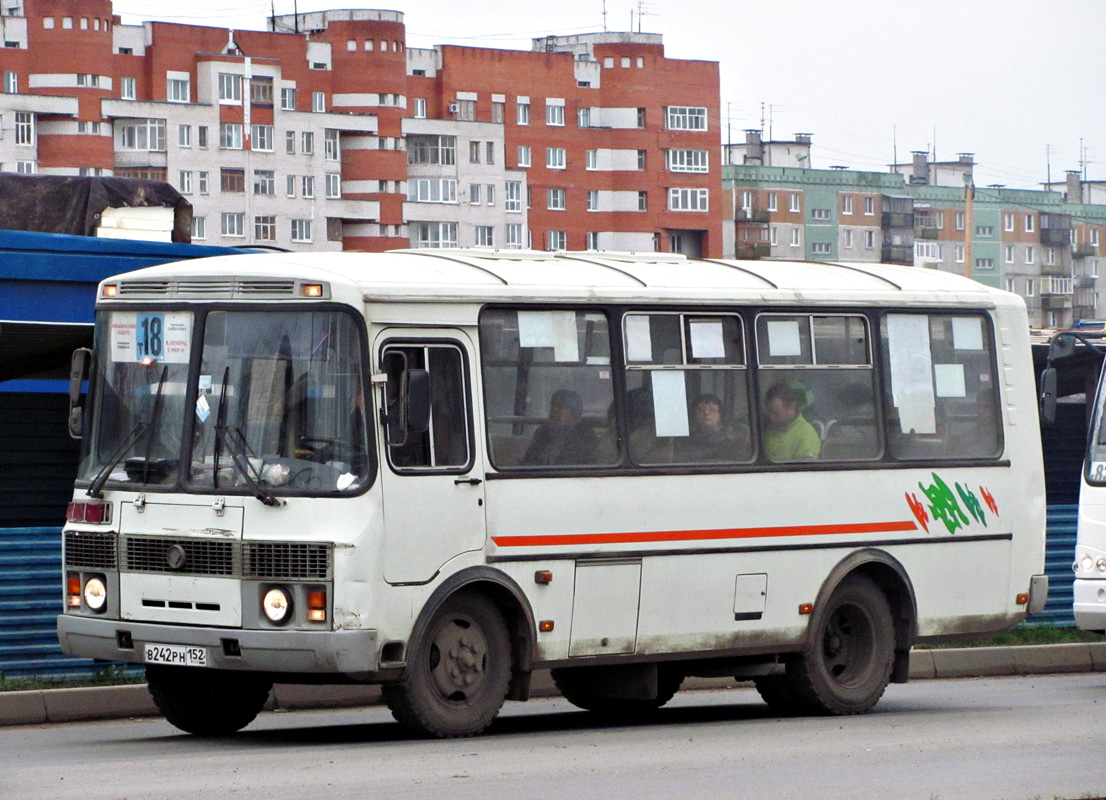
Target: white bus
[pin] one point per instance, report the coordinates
(440, 471)
(1074, 367)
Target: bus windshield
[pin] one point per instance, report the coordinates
(275, 402)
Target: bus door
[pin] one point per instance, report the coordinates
(431, 472)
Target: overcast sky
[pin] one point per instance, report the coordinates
(1007, 80)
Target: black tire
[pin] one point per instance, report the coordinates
(207, 702)
(457, 678)
(775, 690)
(576, 685)
(848, 660)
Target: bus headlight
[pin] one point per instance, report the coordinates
(277, 605)
(1100, 565)
(1085, 563)
(95, 594)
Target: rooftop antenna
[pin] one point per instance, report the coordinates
(1048, 165)
(604, 16)
(895, 149)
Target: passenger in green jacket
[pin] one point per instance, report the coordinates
(788, 436)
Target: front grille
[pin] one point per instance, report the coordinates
(252, 286)
(90, 549)
(209, 288)
(201, 556)
(286, 561)
(134, 287)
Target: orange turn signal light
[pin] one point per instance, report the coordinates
(806, 608)
(1022, 599)
(316, 605)
(110, 290)
(543, 576)
(545, 626)
(312, 290)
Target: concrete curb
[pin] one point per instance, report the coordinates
(115, 702)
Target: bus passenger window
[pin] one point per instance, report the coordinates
(943, 401)
(548, 392)
(444, 444)
(687, 396)
(817, 388)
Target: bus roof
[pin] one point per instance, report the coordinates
(452, 275)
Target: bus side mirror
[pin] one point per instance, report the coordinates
(78, 372)
(416, 395)
(1061, 346)
(1048, 396)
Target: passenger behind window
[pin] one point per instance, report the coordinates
(645, 446)
(713, 437)
(565, 439)
(787, 434)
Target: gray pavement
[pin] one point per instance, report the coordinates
(111, 702)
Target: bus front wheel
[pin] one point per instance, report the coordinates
(458, 675)
(848, 661)
(207, 703)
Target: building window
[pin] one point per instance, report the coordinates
(146, 134)
(199, 228)
(870, 240)
(177, 90)
(301, 230)
(184, 181)
(687, 161)
(25, 167)
(959, 220)
(514, 235)
(331, 145)
(591, 240)
(201, 180)
(466, 110)
(773, 236)
(290, 186)
(232, 180)
(262, 138)
(318, 102)
(641, 118)
(420, 108)
(1029, 226)
(290, 142)
(1029, 255)
(555, 157)
(498, 109)
(433, 234)
(1030, 287)
(821, 214)
(1050, 255)
(184, 135)
(432, 190)
(11, 82)
(642, 201)
(793, 202)
(127, 90)
(1010, 284)
(333, 185)
(524, 155)
(523, 112)
(593, 200)
(230, 89)
(432, 150)
(233, 224)
(512, 197)
(796, 237)
(820, 248)
(264, 182)
(772, 206)
(583, 117)
(230, 136)
(686, 118)
(958, 254)
(869, 206)
(474, 194)
(201, 136)
(288, 98)
(1008, 222)
(25, 128)
(847, 204)
(474, 152)
(984, 263)
(554, 112)
(556, 200)
(308, 185)
(556, 240)
(848, 239)
(688, 199)
(489, 152)
(307, 142)
(491, 194)
(984, 231)
(485, 236)
(1009, 254)
(264, 228)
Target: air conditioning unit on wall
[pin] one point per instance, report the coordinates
(454, 108)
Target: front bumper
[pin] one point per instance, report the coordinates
(1089, 604)
(314, 652)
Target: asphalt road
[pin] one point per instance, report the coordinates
(1012, 738)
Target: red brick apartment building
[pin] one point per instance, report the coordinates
(326, 132)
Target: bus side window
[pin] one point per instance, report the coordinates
(943, 400)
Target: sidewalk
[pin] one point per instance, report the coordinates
(113, 702)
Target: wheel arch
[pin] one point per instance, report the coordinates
(888, 573)
(508, 597)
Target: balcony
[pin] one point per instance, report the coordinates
(898, 254)
(752, 250)
(1059, 269)
(927, 232)
(896, 219)
(1056, 286)
(1055, 302)
(1060, 236)
(1084, 250)
(752, 215)
(1086, 281)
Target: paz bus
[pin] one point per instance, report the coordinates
(442, 470)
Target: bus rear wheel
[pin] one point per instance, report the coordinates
(207, 703)
(458, 675)
(848, 661)
(578, 686)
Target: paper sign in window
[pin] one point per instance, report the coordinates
(639, 342)
(566, 346)
(535, 329)
(783, 338)
(670, 404)
(707, 340)
(967, 333)
(949, 380)
(911, 372)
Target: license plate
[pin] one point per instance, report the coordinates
(176, 654)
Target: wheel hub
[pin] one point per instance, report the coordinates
(459, 660)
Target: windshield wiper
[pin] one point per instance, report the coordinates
(235, 442)
(95, 488)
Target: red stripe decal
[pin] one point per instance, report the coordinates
(692, 536)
